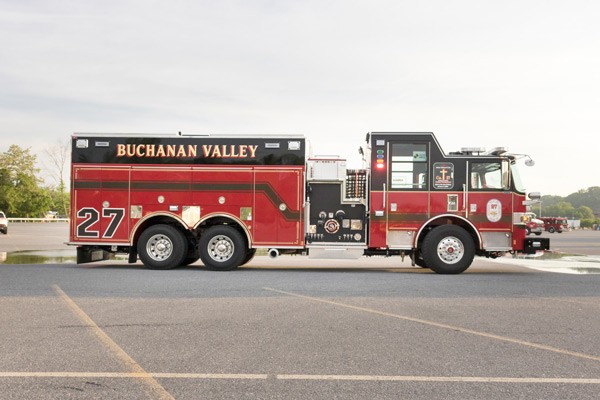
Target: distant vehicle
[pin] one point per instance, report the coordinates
(3, 223)
(535, 225)
(555, 224)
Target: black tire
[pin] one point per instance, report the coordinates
(538, 233)
(448, 249)
(162, 247)
(249, 256)
(222, 248)
(419, 262)
(5, 231)
(551, 229)
(528, 232)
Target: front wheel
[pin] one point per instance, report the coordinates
(551, 229)
(448, 249)
(162, 247)
(249, 256)
(222, 248)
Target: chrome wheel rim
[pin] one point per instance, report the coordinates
(159, 247)
(221, 248)
(450, 250)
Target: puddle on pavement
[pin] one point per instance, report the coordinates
(39, 257)
(556, 262)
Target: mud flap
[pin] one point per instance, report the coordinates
(87, 254)
(534, 244)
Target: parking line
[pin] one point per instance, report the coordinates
(441, 325)
(460, 379)
(306, 377)
(124, 375)
(129, 362)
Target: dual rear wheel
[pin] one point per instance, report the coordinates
(221, 248)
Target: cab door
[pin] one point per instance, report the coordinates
(407, 191)
(490, 203)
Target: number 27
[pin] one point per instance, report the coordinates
(92, 216)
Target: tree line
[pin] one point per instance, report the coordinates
(583, 205)
(23, 193)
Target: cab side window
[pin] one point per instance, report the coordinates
(485, 176)
(408, 166)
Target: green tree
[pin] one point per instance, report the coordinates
(586, 197)
(560, 209)
(21, 193)
(584, 212)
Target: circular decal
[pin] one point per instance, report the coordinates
(493, 210)
(332, 226)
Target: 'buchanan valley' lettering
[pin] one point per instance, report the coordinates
(186, 151)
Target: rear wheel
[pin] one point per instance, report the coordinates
(222, 248)
(162, 247)
(448, 249)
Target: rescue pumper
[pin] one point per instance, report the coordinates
(174, 199)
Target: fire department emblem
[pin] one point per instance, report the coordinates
(493, 210)
(332, 226)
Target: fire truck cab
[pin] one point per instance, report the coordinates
(174, 199)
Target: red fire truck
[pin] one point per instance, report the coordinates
(174, 199)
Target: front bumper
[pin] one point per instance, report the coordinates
(535, 244)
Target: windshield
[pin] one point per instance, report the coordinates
(517, 177)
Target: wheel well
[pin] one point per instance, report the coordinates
(156, 220)
(449, 220)
(222, 220)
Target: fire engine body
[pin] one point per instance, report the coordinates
(174, 199)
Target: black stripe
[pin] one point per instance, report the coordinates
(264, 187)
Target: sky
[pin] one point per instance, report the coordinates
(524, 74)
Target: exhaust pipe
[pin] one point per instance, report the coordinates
(273, 253)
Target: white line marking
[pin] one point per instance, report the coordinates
(465, 379)
(355, 378)
(443, 326)
(124, 375)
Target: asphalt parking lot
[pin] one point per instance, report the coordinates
(294, 328)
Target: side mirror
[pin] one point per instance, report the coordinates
(534, 195)
(361, 151)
